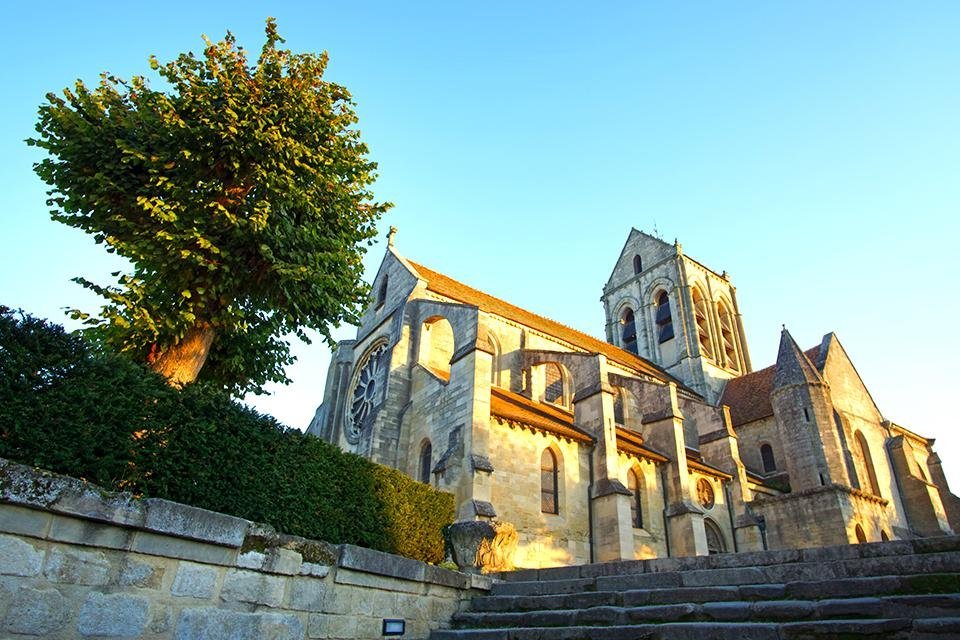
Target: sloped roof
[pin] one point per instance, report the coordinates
(632, 442)
(793, 366)
(710, 470)
(749, 396)
(450, 288)
(515, 408)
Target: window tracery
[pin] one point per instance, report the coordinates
(367, 393)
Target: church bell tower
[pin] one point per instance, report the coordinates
(676, 312)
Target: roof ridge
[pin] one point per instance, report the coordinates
(419, 266)
(594, 345)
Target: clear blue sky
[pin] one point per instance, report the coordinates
(810, 149)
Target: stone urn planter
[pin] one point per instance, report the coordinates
(484, 546)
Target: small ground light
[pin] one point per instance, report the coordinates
(394, 627)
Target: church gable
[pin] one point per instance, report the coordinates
(848, 391)
(640, 252)
(390, 289)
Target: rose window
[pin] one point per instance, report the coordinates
(705, 493)
(367, 393)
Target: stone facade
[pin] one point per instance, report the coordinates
(78, 562)
(660, 441)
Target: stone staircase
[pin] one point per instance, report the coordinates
(906, 589)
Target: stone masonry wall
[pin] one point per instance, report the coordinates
(78, 562)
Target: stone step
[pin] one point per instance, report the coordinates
(886, 629)
(913, 607)
(936, 562)
(897, 548)
(944, 583)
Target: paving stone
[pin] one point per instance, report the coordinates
(691, 594)
(761, 591)
(851, 608)
(887, 629)
(844, 587)
(662, 613)
(113, 614)
(35, 612)
(19, 558)
(600, 616)
(194, 581)
(938, 625)
(639, 581)
(782, 610)
(726, 611)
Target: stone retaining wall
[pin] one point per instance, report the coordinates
(80, 562)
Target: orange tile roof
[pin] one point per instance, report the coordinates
(749, 396)
(450, 288)
(632, 442)
(515, 408)
(703, 467)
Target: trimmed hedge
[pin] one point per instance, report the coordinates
(103, 418)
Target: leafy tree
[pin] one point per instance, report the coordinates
(241, 195)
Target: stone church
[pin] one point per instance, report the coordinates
(660, 441)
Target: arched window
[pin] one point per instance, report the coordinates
(437, 345)
(766, 455)
(494, 348)
(382, 293)
(628, 330)
(873, 486)
(553, 384)
(861, 536)
(663, 317)
(618, 415)
(635, 485)
(715, 541)
(426, 462)
(637, 264)
(703, 324)
(728, 341)
(549, 483)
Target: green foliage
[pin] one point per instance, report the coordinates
(407, 506)
(241, 196)
(113, 422)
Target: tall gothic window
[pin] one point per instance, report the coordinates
(618, 415)
(728, 341)
(715, 541)
(766, 455)
(382, 293)
(637, 264)
(549, 483)
(635, 485)
(861, 536)
(494, 347)
(426, 462)
(663, 317)
(703, 324)
(553, 384)
(628, 330)
(874, 486)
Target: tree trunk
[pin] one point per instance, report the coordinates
(180, 363)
